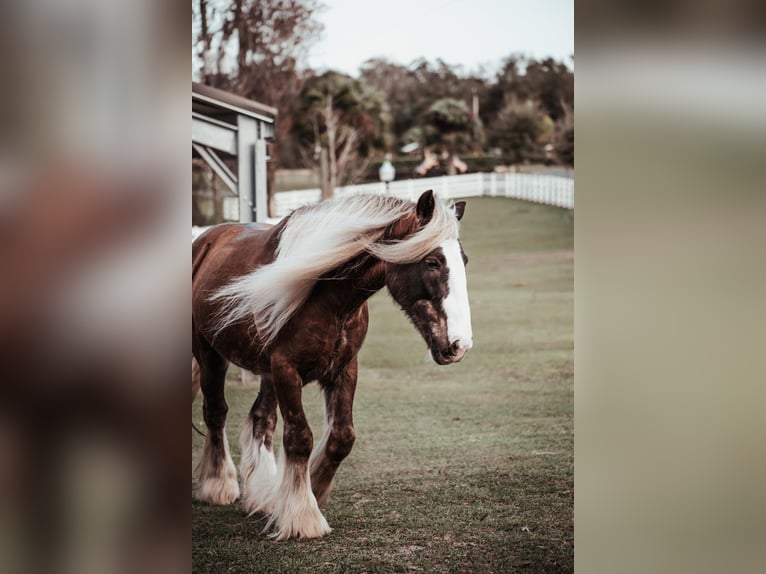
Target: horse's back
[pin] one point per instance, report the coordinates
(222, 253)
(224, 233)
(236, 246)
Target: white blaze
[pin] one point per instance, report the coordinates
(456, 303)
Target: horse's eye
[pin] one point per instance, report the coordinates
(432, 263)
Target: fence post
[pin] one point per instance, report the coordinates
(492, 184)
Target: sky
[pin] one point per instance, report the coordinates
(466, 32)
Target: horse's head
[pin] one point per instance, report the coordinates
(432, 291)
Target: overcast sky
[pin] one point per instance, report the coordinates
(467, 32)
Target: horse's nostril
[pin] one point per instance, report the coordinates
(455, 347)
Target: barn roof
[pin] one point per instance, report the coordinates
(224, 106)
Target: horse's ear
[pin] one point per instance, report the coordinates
(426, 205)
(459, 209)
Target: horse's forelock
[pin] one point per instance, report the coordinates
(419, 239)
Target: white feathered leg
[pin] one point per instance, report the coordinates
(258, 470)
(295, 512)
(217, 483)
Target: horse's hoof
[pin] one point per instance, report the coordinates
(314, 526)
(221, 490)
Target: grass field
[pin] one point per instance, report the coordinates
(467, 468)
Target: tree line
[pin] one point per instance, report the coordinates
(521, 113)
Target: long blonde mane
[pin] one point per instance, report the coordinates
(317, 239)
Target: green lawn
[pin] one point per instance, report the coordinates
(467, 468)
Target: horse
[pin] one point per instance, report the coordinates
(289, 302)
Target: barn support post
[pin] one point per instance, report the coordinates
(260, 181)
(247, 132)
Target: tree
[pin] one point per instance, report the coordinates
(343, 118)
(529, 105)
(546, 82)
(509, 83)
(552, 83)
(451, 125)
(564, 139)
(410, 90)
(520, 130)
(257, 48)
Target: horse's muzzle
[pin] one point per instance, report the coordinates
(452, 354)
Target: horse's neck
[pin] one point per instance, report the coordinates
(355, 282)
(366, 275)
(352, 286)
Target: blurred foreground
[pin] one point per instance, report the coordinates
(669, 284)
(94, 292)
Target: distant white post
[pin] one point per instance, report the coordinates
(387, 171)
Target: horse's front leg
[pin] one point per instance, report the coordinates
(339, 435)
(294, 509)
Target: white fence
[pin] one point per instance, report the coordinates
(539, 188)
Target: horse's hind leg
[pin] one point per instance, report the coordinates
(217, 475)
(257, 465)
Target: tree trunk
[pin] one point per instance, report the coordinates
(206, 39)
(324, 176)
(332, 127)
(241, 38)
(346, 143)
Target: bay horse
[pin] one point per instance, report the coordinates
(289, 302)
